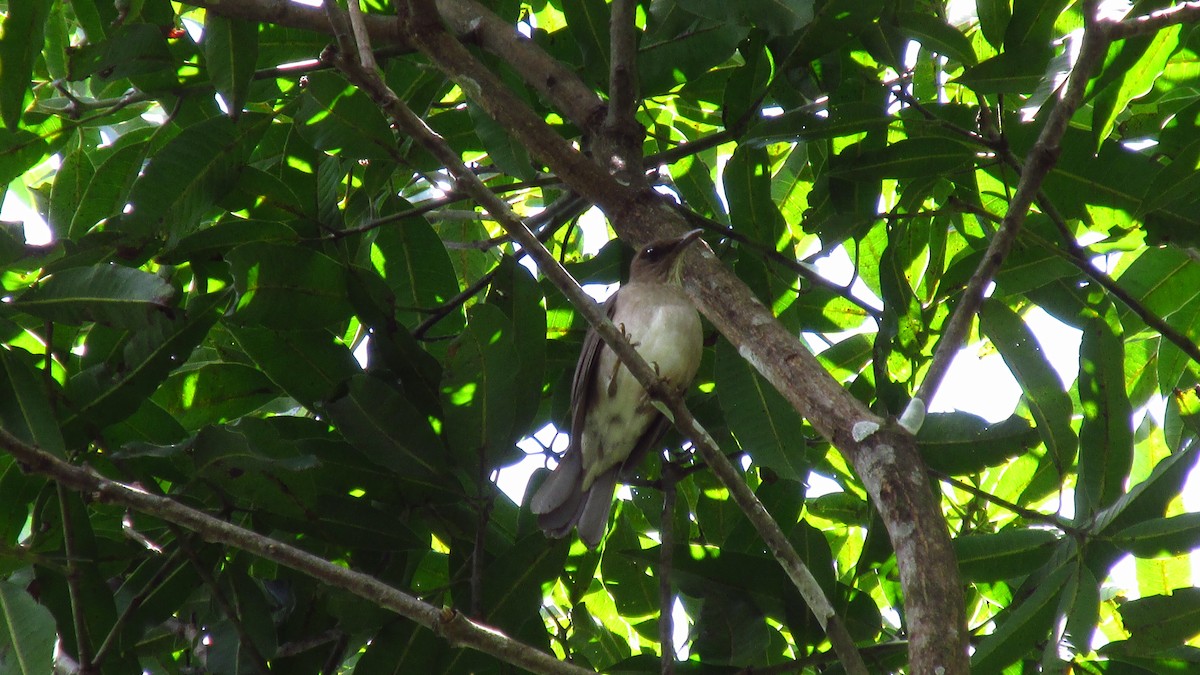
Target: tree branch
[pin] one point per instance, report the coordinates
(469, 20)
(1188, 12)
(619, 144)
(445, 622)
(83, 641)
(370, 83)
(883, 456)
(1041, 159)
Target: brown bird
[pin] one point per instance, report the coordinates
(613, 421)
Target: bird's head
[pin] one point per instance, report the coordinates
(659, 260)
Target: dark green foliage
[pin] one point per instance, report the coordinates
(251, 303)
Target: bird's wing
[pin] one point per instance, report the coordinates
(585, 370)
(646, 442)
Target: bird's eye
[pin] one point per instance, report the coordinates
(651, 252)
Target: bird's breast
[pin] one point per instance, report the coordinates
(665, 329)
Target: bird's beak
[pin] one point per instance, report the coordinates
(688, 238)
(677, 250)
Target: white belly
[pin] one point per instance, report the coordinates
(666, 334)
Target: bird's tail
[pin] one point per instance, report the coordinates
(562, 504)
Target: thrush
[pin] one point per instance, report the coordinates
(613, 420)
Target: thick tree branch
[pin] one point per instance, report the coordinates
(469, 20)
(550, 78)
(453, 626)
(619, 144)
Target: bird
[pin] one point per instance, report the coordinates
(613, 420)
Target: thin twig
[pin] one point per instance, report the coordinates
(1028, 514)
(566, 208)
(83, 645)
(218, 595)
(801, 268)
(366, 58)
(1188, 12)
(169, 567)
(666, 562)
(1041, 159)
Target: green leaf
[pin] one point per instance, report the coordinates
(27, 632)
(230, 52)
(747, 181)
(93, 18)
(108, 190)
(993, 19)
(1135, 76)
(336, 117)
(936, 35)
(517, 294)
(775, 17)
(1010, 72)
(744, 92)
(25, 407)
(842, 120)
(163, 583)
(961, 443)
(1162, 621)
(908, 158)
(214, 393)
(1149, 498)
(114, 389)
(1173, 364)
(667, 60)
(1176, 181)
(587, 23)
(1007, 554)
(70, 185)
(108, 294)
(20, 150)
(186, 178)
(381, 423)
(1081, 605)
(1106, 434)
(1158, 537)
(216, 240)
(20, 46)
(132, 49)
(1027, 622)
(823, 309)
(1030, 267)
(286, 287)
(412, 259)
(90, 585)
(506, 152)
(1048, 401)
(764, 423)
(1032, 23)
(836, 23)
(513, 605)
(478, 394)
(308, 365)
